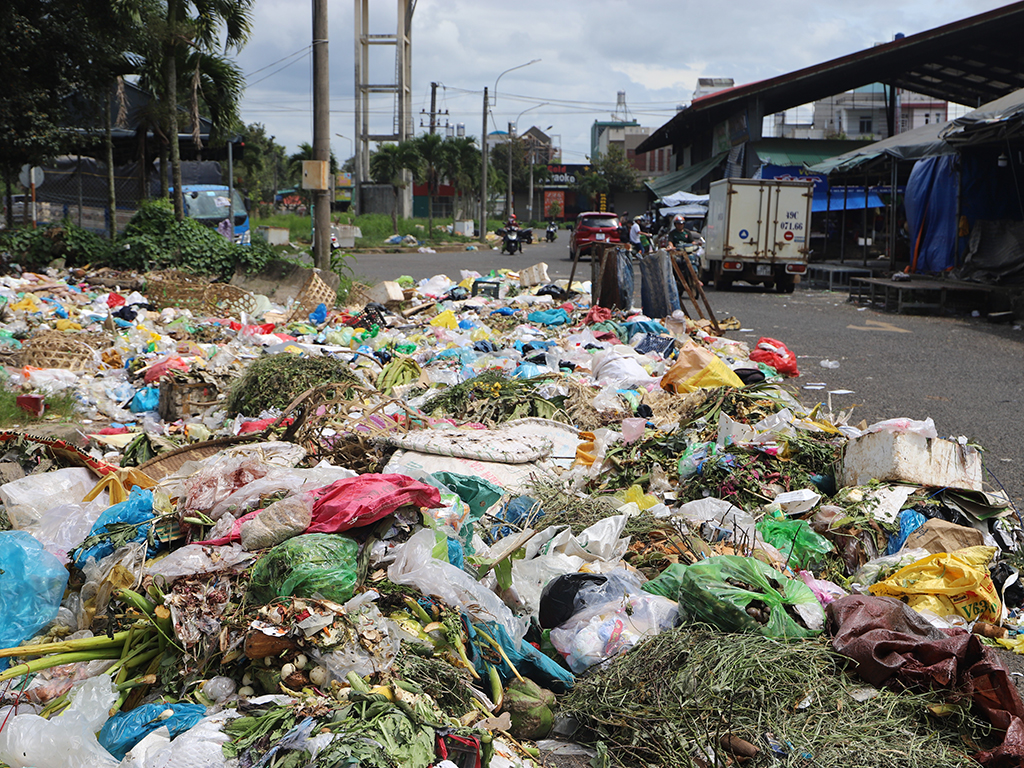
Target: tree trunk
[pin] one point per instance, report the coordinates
(9, 183)
(172, 107)
(111, 186)
(394, 210)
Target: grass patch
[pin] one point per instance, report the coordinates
(59, 407)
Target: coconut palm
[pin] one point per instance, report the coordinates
(431, 151)
(387, 166)
(462, 166)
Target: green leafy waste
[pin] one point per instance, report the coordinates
(275, 380)
(493, 398)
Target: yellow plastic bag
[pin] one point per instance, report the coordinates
(120, 484)
(643, 500)
(445, 320)
(690, 361)
(947, 583)
(64, 324)
(586, 451)
(715, 374)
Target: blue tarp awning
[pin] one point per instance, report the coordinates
(854, 200)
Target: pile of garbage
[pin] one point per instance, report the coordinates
(481, 522)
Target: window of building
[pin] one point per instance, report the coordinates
(865, 124)
(904, 123)
(927, 118)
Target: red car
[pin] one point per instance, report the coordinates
(592, 227)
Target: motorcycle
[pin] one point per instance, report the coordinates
(526, 236)
(511, 242)
(551, 233)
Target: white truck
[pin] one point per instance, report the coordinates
(758, 230)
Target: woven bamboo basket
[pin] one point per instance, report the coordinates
(358, 295)
(169, 462)
(225, 300)
(313, 293)
(57, 349)
(171, 288)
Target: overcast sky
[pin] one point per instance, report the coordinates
(654, 50)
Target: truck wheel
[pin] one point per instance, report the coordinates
(722, 283)
(785, 284)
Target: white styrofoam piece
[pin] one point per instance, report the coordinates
(911, 458)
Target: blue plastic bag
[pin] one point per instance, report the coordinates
(138, 508)
(910, 521)
(126, 729)
(32, 583)
(318, 315)
(147, 399)
(549, 317)
(529, 661)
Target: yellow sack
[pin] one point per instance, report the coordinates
(715, 374)
(690, 361)
(947, 583)
(120, 483)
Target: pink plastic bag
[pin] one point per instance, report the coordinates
(165, 367)
(824, 590)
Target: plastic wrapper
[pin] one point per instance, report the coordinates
(277, 523)
(199, 747)
(576, 593)
(220, 479)
(193, 559)
(67, 740)
(947, 583)
(305, 566)
(31, 589)
(64, 527)
(126, 729)
(910, 521)
(904, 426)
(741, 594)
(27, 498)
(882, 567)
(361, 654)
(612, 628)
(800, 545)
(119, 569)
(777, 355)
(414, 566)
(279, 479)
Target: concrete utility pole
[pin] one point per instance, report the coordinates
(433, 107)
(508, 151)
(321, 135)
(483, 174)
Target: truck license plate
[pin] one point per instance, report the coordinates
(763, 270)
(599, 236)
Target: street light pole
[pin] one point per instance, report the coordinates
(483, 151)
(529, 202)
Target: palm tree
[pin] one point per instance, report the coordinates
(462, 166)
(201, 31)
(431, 150)
(387, 165)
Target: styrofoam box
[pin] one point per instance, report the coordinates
(910, 458)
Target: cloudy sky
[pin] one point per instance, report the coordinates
(654, 50)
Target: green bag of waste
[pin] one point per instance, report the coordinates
(800, 545)
(741, 594)
(304, 566)
(667, 583)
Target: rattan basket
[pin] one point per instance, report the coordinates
(225, 300)
(313, 293)
(181, 290)
(58, 349)
(169, 462)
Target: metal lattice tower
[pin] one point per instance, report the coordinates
(402, 127)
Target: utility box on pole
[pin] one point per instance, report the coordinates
(315, 175)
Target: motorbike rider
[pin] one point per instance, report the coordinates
(634, 235)
(511, 223)
(680, 238)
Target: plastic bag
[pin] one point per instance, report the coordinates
(67, 740)
(801, 546)
(910, 521)
(31, 589)
(64, 527)
(199, 747)
(305, 566)
(575, 593)
(612, 628)
(947, 583)
(716, 374)
(824, 590)
(365, 499)
(882, 567)
(414, 566)
(667, 582)
(194, 559)
(147, 399)
(27, 498)
(279, 522)
(278, 479)
(218, 480)
(137, 510)
(777, 355)
(902, 426)
(708, 592)
(359, 654)
(126, 729)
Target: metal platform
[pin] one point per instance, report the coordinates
(831, 275)
(919, 293)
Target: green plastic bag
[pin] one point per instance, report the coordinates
(800, 545)
(667, 583)
(719, 591)
(312, 564)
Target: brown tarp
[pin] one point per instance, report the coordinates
(891, 644)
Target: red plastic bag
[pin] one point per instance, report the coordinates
(115, 299)
(777, 355)
(358, 501)
(165, 367)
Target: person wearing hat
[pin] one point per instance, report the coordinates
(679, 235)
(634, 234)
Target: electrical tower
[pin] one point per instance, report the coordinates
(402, 128)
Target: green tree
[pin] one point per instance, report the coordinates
(199, 25)
(387, 165)
(430, 148)
(608, 174)
(461, 167)
(263, 167)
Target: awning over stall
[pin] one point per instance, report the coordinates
(851, 201)
(684, 178)
(912, 145)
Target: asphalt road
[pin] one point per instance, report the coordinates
(963, 372)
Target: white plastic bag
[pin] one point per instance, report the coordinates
(64, 527)
(27, 498)
(279, 522)
(414, 566)
(900, 426)
(201, 746)
(196, 558)
(69, 739)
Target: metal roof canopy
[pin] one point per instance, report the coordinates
(971, 61)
